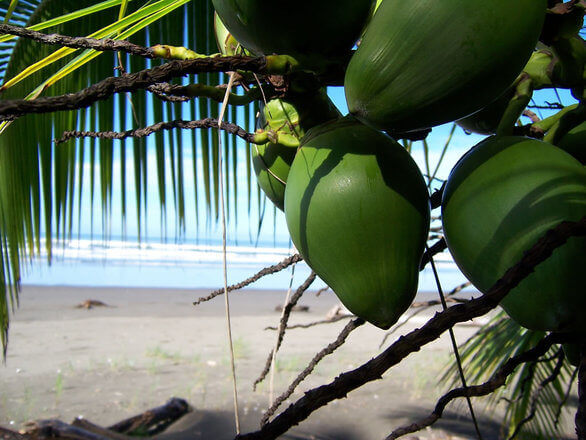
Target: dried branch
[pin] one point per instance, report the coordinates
(159, 91)
(45, 429)
(436, 198)
(412, 342)
(437, 302)
(141, 80)
(535, 397)
(496, 381)
(265, 271)
(7, 434)
(547, 106)
(352, 325)
(436, 248)
(153, 421)
(422, 306)
(531, 115)
(216, 93)
(313, 324)
(102, 45)
(322, 290)
(149, 423)
(283, 325)
(96, 429)
(167, 125)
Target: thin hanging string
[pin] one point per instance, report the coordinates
(276, 347)
(225, 265)
(454, 345)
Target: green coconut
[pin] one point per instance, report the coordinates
(288, 119)
(574, 142)
(423, 63)
(227, 44)
(301, 29)
(357, 209)
(500, 198)
(486, 120)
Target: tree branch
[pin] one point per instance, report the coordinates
(495, 382)
(275, 64)
(102, 45)
(234, 129)
(436, 248)
(265, 271)
(216, 93)
(435, 327)
(283, 325)
(351, 326)
(313, 324)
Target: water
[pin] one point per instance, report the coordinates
(117, 263)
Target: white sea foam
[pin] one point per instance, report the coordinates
(161, 254)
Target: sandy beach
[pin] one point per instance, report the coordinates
(148, 345)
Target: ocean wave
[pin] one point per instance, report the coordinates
(161, 254)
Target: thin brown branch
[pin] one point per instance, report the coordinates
(313, 324)
(130, 83)
(351, 326)
(423, 306)
(531, 115)
(215, 93)
(436, 248)
(436, 198)
(496, 381)
(397, 327)
(283, 325)
(263, 272)
(102, 45)
(159, 91)
(322, 290)
(547, 106)
(412, 342)
(161, 126)
(437, 302)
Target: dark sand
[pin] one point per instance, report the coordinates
(109, 363)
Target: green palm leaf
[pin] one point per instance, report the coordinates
(530, 410)
(42, 187)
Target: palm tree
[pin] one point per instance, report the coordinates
(42, 185)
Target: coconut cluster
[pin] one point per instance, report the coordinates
(356, 204)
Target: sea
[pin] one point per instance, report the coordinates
(123, 263)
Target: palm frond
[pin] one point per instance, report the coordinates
(530, 408)
(44, 188)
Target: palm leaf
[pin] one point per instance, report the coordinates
(529, 408)
(44, 187)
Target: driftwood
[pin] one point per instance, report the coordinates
(91, 303)
(147, 424)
